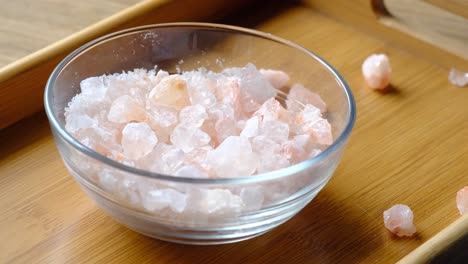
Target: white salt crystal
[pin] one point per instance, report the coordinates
(274, 129)
(250, 128)
(277, 78)
(188, 138)
(189, 171)
(138, 140)
(272, 162)
(155, 200)
(458, 78)
(252, 197)
(398, 219)
(193, 115)
(233, 158)
(299, 95)
(126, 109)
(79, 121)
(201, 89)
(213, 201)
(94, 86)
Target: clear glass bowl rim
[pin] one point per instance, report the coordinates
(273, 175)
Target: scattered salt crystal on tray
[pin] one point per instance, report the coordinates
(377, 71)
(398, 219)
(458, 78)
(462, 200)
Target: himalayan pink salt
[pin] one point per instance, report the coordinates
(164, 158)
(458, 78)
(210, 201)
(125, 109)
(164, 116)
(225, 127)
(265, 146)
(233, 158)
(154, 200)
(377, 71)
(293, 151)
(193, 115)
(278, 79)
(311, 122)
(270, 110)
(250, 127)
(462, 200)
(74, 123)
(170, 92)
(94, 86)
(299, 95)
(252, 82)
(188, 138)
(201, 88)
(189, 171)
(274, 129)
(252, 197)
(138, 139)
(399, 220)
(272, 162)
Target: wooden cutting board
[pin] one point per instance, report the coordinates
(408, 146)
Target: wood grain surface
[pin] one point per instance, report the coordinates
(408, 146)
(27, 26)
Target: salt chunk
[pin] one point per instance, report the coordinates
(76, 122)
(164, 159)
(458, 78)
(228, 90)
(270, 110)
(125, 109)
(189, 171)
(252, 197)
(215, 201)
(274, 129)
(233, 158)
(155, 200)
(377, 71)
(272, 162)
(399, 220)
(277, 78)
(138, 140)
(170, 92)
(193, 115)
(188, 138)
(225, 128)
(299, 95)
(462, 200)
(252, 82)
(201, 89)
(293, 151)
(265, 146)
(250, 128)
(164, 116)
(311, 122)
(95, 87)
(108, 180)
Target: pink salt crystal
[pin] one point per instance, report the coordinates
(277, 78)
(225, 128)
(197, 157)
(458, 78)
(159, 199)
(293, 151)
(138, 140)
(377, 71)
(170, 92)
(164, 116)
(272, 162)
(250, 128)
(314, 152)
(299, 95)
(462, 200)
(399, 220)
(193, 115)
(228, 90)
(201, 89)
(126, 109)
(188, 138)
(189, 171)
(79, 121)
(233, 158)
(215, 201)
(265, 146)
(94, 86)
(270, 110)
(164, 158)
(310, 120)
(252, 197)
(252, 82)
(274, 129)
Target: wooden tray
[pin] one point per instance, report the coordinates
(408, 146)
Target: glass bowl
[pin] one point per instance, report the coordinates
(209, 211)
